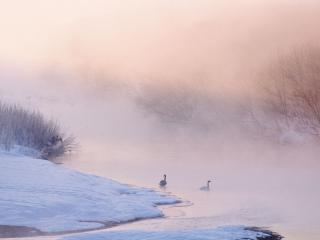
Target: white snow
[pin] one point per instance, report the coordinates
(52, 198)
(220, 233)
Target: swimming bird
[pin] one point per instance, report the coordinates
(163, 182)
(206, 188)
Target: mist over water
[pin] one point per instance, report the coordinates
(164, 87)
(256, 181)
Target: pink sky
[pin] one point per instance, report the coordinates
(147, 39)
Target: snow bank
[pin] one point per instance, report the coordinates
(220, 233)
(51, 198)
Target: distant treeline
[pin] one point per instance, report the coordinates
(287, 98)
(290, 92)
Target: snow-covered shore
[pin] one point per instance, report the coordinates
(220, 233)
(38, 197)
(41, 195)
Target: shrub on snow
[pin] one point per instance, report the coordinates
(22, 127)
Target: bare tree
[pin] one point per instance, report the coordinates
(292, 90)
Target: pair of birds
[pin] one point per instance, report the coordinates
(163, 183)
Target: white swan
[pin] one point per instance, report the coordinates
(163, 182)
(206, 188)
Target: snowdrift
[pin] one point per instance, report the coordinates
(39, 194)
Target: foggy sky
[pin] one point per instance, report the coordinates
(223, 42)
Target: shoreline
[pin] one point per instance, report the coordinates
(30, 185)
(7, 231)
(272, 235)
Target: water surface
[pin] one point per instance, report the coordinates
(266, 190)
